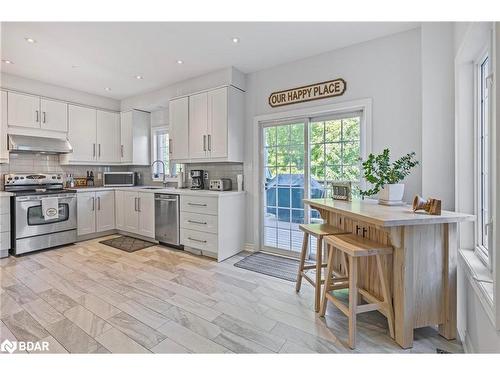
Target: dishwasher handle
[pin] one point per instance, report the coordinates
(166, 200)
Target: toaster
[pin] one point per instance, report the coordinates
(221, 184)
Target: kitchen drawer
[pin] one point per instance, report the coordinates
(5, 241)
(199, 205)
(4, 205)
(5, 223)
(201, 222)
(199, 240)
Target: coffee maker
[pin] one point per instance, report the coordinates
(197, 179)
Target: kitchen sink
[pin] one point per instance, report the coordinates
(152, 187)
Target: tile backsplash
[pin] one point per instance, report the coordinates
(39, 163)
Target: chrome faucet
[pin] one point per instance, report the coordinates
(156, 174)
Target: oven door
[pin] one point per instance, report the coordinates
(30, 221)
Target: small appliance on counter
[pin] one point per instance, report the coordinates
(197, 179)
(118, 179)
(222, 184)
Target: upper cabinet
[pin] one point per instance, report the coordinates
(29, 111)
(135, 137)
(94, 135)
(179, 128)
(208, 126)
(4, 153)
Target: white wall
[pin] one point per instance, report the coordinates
(438, 157)
(13, 82)
(388, 70)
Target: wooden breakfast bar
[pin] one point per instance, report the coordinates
(423, 278)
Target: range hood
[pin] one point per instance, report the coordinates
(39, 145)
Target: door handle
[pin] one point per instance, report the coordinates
(121, 147)
(204, 143)
(99, 150)
(194, 239)
(37, 117)
(197, 204)
(93, 204)
(135, 204)
(139, 204)
(44, 114)
(209, 142)
(98, 203)
(93, 150)
(197, 222)
(170, 146)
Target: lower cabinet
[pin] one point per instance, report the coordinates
(95, 211)
(4, 226)
(213, 225)
(135, 212)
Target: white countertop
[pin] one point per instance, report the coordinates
(5, 194)
(160, 190)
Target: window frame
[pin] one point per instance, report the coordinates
(170, 171)
(484, 253)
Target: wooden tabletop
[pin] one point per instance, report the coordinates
(386, 216)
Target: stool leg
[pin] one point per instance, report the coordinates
(353, 300)
(319, 262)
(385, 294)
(303, 253)
(328, 278)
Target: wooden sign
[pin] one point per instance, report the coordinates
(302, 94)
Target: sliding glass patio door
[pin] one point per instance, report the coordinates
(300, 158)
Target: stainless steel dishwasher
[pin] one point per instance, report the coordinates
(167, 221)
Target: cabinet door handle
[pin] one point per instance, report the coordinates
(204, 143)
(121, 148)
(44, 114)
(194, 239)
(197, 222)
(135, 204)
(139, 204)
(37, 117)
(93, 204)
(98, 203)
(209, 142)
(93, 150)
(99, 150)
(170, 146)
(197, 204)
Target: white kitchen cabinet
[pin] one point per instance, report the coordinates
(105, 210)
(95, 212)
(179, 128)
(198, 112)
(82, 133)
(146, 208)
(108, 137)
(53, 115)
(135, 213)
(30, 111)
(4, 226)
(23, 110)
(215, 126)
(213, 225)
(86, 213)
(131, 215)
(135, 137)
(4, 153)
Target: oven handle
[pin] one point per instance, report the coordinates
(31, 199)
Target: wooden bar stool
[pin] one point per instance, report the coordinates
(355, 247)
(319, 231)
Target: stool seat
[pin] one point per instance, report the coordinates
(357, 246)
(317, 230)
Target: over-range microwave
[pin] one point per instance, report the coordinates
(119, 179)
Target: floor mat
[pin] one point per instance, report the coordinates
(271, 265)
(127, 244)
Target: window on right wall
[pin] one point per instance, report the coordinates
(483, 162)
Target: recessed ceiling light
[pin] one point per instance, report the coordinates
(7, 61)
(30, 40)
(107, 88)
(235, 40)
(75, 66)
(139, 77)
(180, 62)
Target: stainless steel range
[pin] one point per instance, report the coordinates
(43, 212)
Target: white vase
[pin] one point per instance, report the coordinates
(391, 194)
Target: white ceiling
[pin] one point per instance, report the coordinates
(111, 54)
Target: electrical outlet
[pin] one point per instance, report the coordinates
(205, 175)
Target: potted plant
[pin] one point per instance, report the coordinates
(386, 177)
